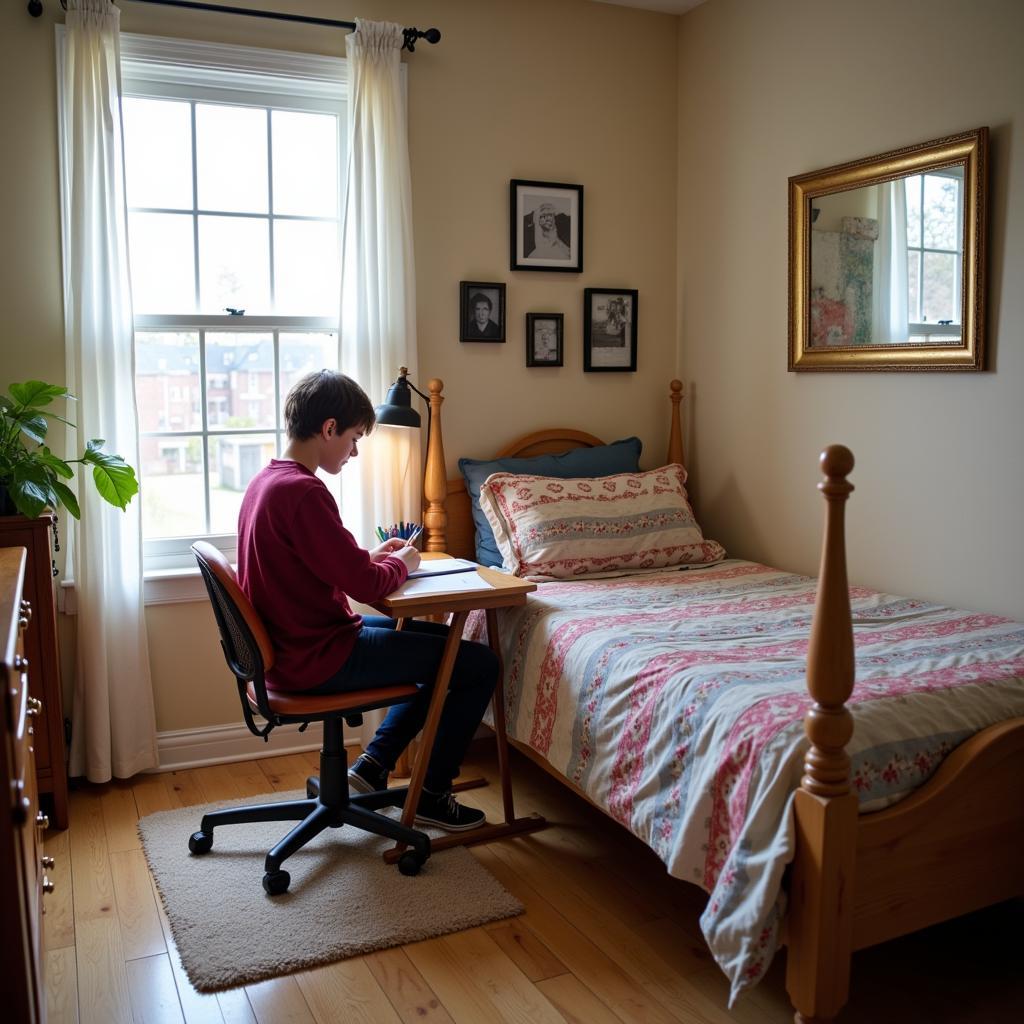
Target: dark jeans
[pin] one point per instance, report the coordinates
(384, 656)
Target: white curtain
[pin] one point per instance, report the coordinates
(891, 308)
(113, 723)
(378, 317)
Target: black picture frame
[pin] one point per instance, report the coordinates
(557, 246)
(472, 294)
(541, 329)
(609, 329)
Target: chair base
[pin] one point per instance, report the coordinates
(328, 805)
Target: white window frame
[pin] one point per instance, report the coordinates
(157, 67)
(924, 328)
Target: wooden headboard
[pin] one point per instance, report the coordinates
(447, 519)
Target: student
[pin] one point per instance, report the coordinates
(299, 566)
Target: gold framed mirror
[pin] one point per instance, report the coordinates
(887, 260)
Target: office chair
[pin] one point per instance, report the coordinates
(249, 654)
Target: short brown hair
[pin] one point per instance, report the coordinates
(324, 395)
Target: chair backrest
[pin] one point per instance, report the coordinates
(243, 637)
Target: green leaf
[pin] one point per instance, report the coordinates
(115, 480)
(34, 427)
(35, 393)
(67, 498)
(59, 466)
(29, 498)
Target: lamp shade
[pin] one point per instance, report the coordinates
(397, 410)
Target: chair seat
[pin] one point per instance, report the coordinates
(302, 705)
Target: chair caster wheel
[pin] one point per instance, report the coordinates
(312, 788)
(276, 882)
(200, 842)
(410, 863)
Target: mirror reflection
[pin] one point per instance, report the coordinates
(887, 262)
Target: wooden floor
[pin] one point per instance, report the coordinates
(607, 936)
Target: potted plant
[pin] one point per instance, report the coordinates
(32, 478)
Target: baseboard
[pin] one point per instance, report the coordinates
(216, 744)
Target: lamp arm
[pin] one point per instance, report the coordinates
(420, 393)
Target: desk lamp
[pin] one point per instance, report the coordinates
(397, 411)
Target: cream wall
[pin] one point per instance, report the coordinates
(556, 90)
(774, 88)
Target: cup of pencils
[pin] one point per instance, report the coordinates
(408, 532)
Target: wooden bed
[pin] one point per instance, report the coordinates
(951, 847)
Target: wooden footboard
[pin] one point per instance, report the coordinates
(952, 847)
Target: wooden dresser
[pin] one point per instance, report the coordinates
(22, 881)
(41, 651)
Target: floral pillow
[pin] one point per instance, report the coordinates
(549, 529)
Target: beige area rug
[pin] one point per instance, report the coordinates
(343, 899)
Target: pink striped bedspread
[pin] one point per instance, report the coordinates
(676, 702)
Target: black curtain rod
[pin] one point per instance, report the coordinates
(432, 35)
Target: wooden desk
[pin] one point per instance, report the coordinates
(506, 591)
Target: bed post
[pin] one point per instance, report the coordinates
(820, 920)
(435, 483)
(675, 433)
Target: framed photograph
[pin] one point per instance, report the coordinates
(609, 329)
(481, 311)
(544, 339)
(546, 226)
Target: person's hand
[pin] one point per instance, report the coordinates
(389, 547)
(409, 555)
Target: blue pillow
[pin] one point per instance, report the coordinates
(603, 460)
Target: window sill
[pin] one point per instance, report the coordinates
(165, 586)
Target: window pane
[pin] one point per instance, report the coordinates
(234, 264)
(231, 158)
(167, 381)
(171, 487)
(234, 461)
(158, 153)
(306, 271)
(938, 299)
(914, 282)
(914, 210)
(162, 262)
(940, 206)
(239, 380)
(305, 163)
(303, 353)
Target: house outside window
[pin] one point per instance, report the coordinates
(233, 169)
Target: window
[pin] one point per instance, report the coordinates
(232, 165)
(934, 252)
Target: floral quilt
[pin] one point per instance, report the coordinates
(676, 702)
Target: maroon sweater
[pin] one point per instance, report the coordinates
(297, 563)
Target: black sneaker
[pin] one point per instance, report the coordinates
(444, 811)
(366, 776)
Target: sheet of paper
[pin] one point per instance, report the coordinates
(453, 583)
(435, 566)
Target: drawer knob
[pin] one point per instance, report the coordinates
(48, 885)
(34, 707)
(42, 820)
(47, 861)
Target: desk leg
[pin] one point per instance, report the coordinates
(444, 674)
(498, 707)
(405, 759)
(511, 825)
